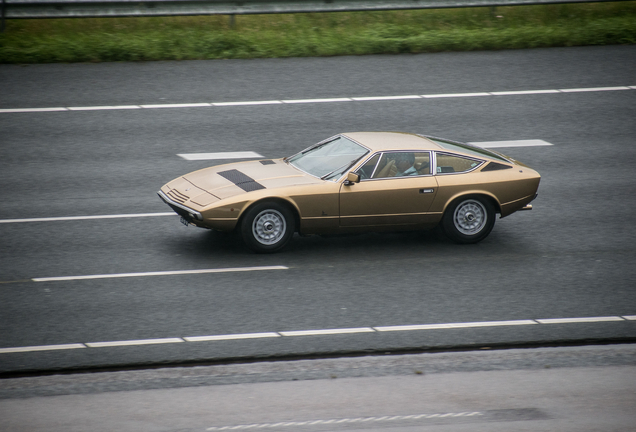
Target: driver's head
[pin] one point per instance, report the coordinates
(404, 161)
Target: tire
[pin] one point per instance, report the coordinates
(469, 219)
(267, 227)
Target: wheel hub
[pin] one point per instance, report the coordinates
(269, 227)
(470, 217)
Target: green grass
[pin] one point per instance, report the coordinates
(323, 34)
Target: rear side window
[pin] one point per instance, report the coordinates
(448, 164)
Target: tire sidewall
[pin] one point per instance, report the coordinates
(451, 230)
(247, 223)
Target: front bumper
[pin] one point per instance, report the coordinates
(185, 212)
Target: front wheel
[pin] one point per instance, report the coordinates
(469, 220)
(267, 227)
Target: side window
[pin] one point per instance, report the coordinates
(455, 164)
(366, 170)
(403, 164)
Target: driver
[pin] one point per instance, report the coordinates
(404, 162)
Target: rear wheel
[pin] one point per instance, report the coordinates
(469, 220)
(267, 227)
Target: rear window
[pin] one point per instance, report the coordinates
(447, 164)
(467, 148)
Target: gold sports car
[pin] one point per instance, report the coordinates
(356, 182)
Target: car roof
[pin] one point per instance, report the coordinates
(377, 141)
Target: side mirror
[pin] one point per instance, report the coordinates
(352, 178)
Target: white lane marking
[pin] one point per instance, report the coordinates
(182, 105)
(104, 108)
(594, 89)
(269, 102)
(579, 320)
(327, 100)
(71, 218)
(29, 110)
(220, 155)
(522, 92)
(309, 101)
(513, 143)
(343, 420)
(231, 337)
(454, 325)
(453, 95)
(327, 331)
(320, 332)
(134, 342)
(245, 155)
(41, 348)
(381, 98)
(159, 273)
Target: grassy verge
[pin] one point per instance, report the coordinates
(324, 34)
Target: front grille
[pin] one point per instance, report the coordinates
(177, 196)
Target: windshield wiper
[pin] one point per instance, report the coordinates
(343, 168)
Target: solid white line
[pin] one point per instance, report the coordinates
(41, 348)
(453, 95)
(71, 218)
(134, 342)
(579, 320)
(221, 155)
(522, 92)
(159, 273)
(593, 89)
(513, 143)
(379, 98)
(182, 105)
(321, 332)
(455, 325)
(270, 102)
(302, 101)
(104, 108)
(327, 331)
(30, 110)
(309, 101)
(231, 337)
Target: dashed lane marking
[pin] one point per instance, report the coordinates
(158, 273)
(455, 325)
(513, 143)
(327, 331)
(313, 101)
(345, 421)
(321, 332)
(134, 342)
(579, 320)
(75, 218)
(242, 155)
(221, 155)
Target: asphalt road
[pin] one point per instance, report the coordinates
(571, 257)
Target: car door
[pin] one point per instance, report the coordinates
(387, 195)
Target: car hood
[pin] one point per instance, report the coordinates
(225, 181)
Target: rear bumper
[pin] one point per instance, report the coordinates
(185, 212)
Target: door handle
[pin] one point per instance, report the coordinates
(425, 191)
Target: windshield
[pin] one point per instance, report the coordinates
(329, 160)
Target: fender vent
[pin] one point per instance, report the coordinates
(494, 166)
(245, 182)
